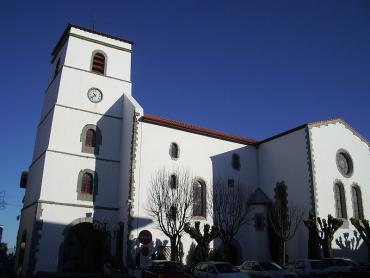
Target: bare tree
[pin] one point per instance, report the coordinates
(285, 221)
(230, 211)
(170, 204)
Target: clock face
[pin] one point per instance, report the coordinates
(95, 95)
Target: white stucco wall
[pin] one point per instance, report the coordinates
(326, 140)
(286, 159)
(118, 61)
(204, 157)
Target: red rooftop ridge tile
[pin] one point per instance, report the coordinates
(196, 129)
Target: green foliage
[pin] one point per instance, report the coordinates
(325, 230)
(203, 240)
(363, 227)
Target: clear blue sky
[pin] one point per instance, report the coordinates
(252, 68)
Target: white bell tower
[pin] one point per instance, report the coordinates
(75, 175)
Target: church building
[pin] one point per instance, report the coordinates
(96, 151)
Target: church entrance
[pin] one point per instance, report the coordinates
(83, 249)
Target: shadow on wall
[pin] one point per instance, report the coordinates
(230, 169)
(350, 246)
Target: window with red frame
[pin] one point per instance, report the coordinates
(87, 183)
(98, 64)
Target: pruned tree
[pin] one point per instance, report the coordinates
(203, 240)
(313, 238)
(284, 219)
(363, 227)
(170, 204)
(285, 222)
(325, 231)
(230, 211)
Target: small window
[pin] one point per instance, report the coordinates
(230, 182)
(174, 151)
(87, 184)
(235, 161)
(358, 211)
(340, 201)
(98, 63)
(173, 181)
(259, 222)
(199, 198)
(56, 70)
(91, 139)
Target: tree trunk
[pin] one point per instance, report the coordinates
(327, 249)
(173, 249)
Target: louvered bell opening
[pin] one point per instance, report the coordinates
(98, 63)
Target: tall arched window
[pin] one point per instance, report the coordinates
(235, 161)
(87, 185)
(98, 63)
(340, 201)
(91, 139)
(199, 198)
(358, 211)
(174, 151)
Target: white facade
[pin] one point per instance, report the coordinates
(134, 146)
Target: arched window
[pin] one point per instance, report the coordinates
(87, 185)
(358, 211)
(199, 198)
(173, 181)
(174, 151)
(91, 139)
(98, 63)
(340, 201)
(235, 161)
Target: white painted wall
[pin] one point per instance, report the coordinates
(285, 159)
(118, 61)
(326, 140)
(203, 156)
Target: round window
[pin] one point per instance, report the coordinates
(344, 163)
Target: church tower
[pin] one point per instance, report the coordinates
(75, 189)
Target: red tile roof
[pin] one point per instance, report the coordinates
(196, 129)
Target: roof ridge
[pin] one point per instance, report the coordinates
(197, 129)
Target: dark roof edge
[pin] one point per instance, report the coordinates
(282, 134)
(64, 36)
(196, 129)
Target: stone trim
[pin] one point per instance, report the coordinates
(69, 205)
(311, 172)
(98, 139)
(35, 240)
(85, 196)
